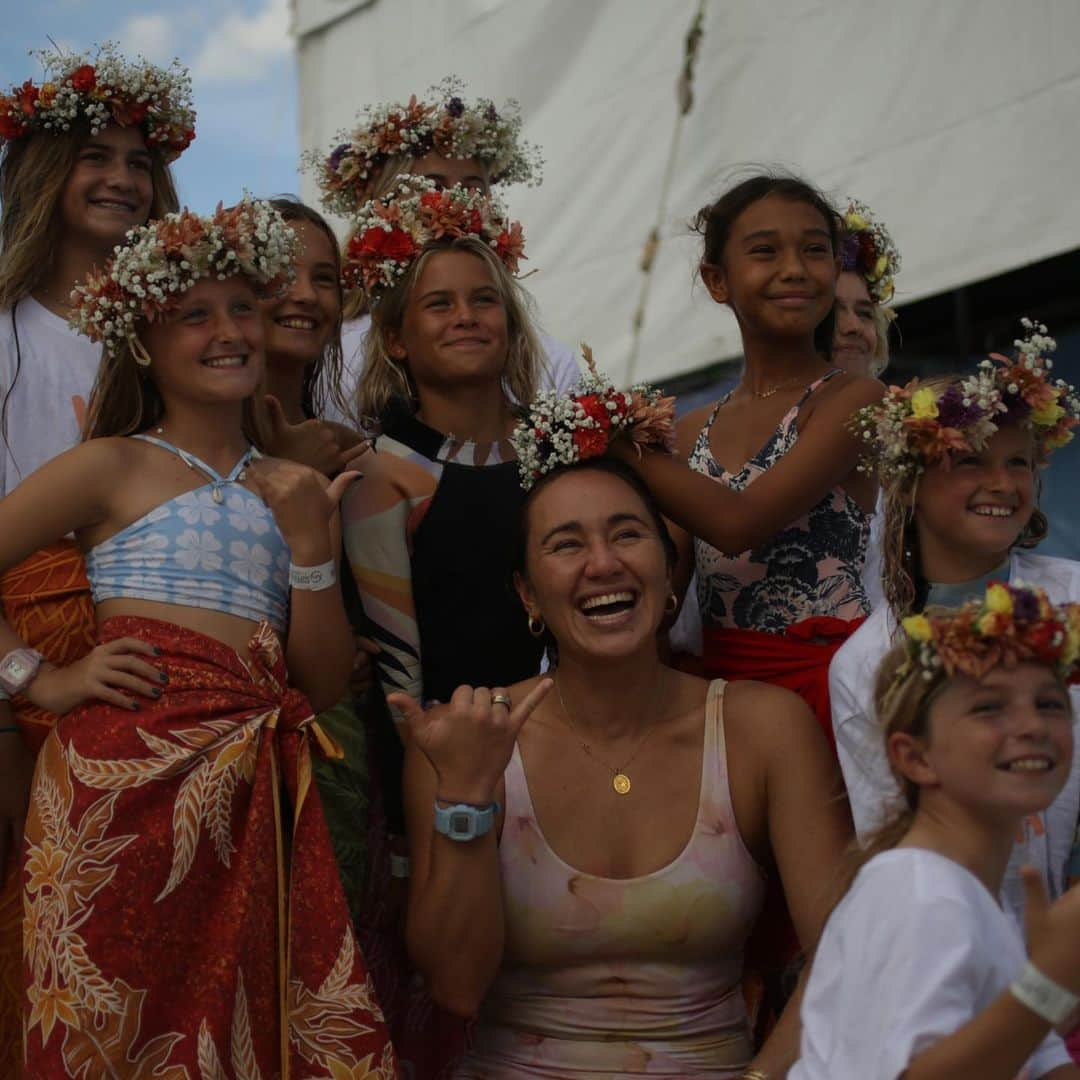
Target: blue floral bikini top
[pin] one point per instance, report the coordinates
(217, 547)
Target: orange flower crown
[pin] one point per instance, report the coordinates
(443, 124)
(563, 429)
(389, 234)
(103, 89)
(160, 261)
(914, 426)
(1011, 624)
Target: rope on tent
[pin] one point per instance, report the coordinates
(684, 90)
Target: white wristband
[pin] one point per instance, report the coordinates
(1044, 997)
(313, 578)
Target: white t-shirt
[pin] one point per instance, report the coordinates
(561, 373)
(872, 790)
(45, 410)
(915, 950)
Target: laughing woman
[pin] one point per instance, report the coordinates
(183, 740)
(589, 851)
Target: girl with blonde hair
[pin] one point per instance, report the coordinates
(919, 973)
(187, 732)
(958, 458)
(452, 142)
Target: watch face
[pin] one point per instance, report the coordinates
(461, 824)
(16, 669)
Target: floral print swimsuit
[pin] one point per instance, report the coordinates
(813, 567)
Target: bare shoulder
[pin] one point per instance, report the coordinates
(850, 391)
(772, 720)
(689, 427)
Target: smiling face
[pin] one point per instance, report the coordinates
(454, 329)
(1000, 747)
(596, 569)
(300, 321)
(855, 333)
(210, 349)
(778, 270)
(109, 190)
(972, 512)
(467, 173)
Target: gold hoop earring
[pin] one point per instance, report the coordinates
(672, 603)
(537, 626)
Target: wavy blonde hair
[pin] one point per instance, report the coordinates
(384, 378)
(33, 172)
(356, 303)
(902, 578)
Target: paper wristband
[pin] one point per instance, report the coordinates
(1043, 996)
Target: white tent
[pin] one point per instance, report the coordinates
(954, 121)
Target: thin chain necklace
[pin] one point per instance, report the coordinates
(620, 781)
(762, 394)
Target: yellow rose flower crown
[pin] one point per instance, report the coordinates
(1010, 625)
(867, 249)
(914, 426)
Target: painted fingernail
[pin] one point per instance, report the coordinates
(163, 677)
(157, 651)
(156, 691)
(133, 706)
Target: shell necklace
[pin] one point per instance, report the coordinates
(620, 780)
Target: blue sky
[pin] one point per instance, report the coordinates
(243, 74)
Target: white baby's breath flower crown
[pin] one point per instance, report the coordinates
(442, 123)
(103, 88)
(160, 261)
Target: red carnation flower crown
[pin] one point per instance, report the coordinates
(562, 429)
(103, 89)
(389, 234)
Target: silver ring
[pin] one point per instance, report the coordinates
(502, 699)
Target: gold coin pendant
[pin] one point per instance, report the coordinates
(621, 783)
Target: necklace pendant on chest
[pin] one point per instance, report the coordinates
(216, 495)
(621, 783)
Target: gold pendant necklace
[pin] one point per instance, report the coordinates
(620, 781)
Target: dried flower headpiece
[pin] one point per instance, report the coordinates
(867, 249)
(562, 429)
(1010, 625)
(160, 261)
(390, 233)
(915, 426)
(442, 123)
(103, 89)
(1051, 407)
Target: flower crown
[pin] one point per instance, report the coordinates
(444, 124)
(103, 89)
(1027, 393)
(1011, 624)
(915, 426)
(160, 261)
(867, 249)
(389, 234)
(562, 429)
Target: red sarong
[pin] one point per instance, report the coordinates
(798, 659)
(46, 601)
(183, 914)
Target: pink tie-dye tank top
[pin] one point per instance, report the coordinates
(606, 977)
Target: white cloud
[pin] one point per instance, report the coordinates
(154, 36)
(242, 47)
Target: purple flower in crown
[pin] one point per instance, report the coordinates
(338, 153)
(1016, 408)
(1025, 605)
(455, 106)
(491, 114)
(849, 253)
(953, 413)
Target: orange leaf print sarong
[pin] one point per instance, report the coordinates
(183, 914)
